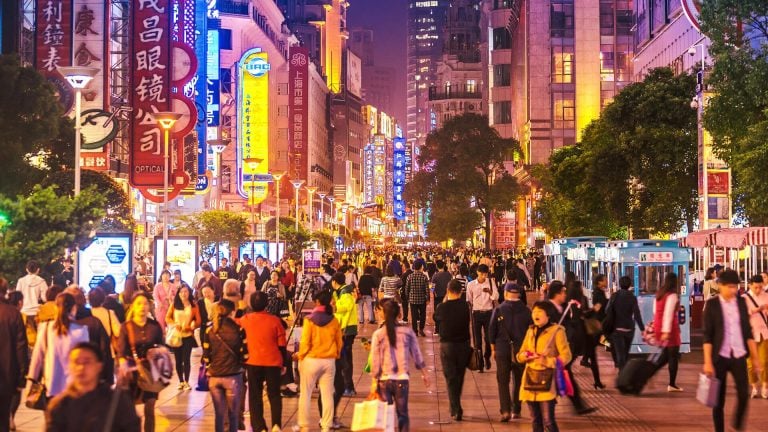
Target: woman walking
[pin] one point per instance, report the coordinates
(50, 357)
(544, 344)
(389, 286)
(666, 327)
(393, 347)
(163, 293)
(186, 317)
(276, 294)
(594, 316)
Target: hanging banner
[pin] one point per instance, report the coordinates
(54, 45)
(398, 178)
(253, 124)
(151, 90)
(200, 91)
(298, 99)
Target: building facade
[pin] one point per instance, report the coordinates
(378, 81)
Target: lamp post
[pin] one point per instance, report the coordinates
(277, 176)
(331, 199)
(78, 77)
(310, 197)
(322, 210)
(166, 120)
(218, 146)
(253, 163)
(297, 184)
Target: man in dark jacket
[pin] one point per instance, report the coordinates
(440, 284)
(620, 318)
(14, 359)
(509, 323)
(454, 315)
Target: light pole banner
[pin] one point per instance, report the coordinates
(298, 99)
(253, 122)
(151, 90)
(54, 45)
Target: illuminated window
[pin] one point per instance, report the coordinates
(564, 110)
(606, 63)
(562, 65)
(471, 86)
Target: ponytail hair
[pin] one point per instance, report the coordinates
(324, 298)
(223, 309)
(391, 314)
(64, 304)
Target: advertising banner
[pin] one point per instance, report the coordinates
(298, 99)
(262, 248)
(718, 182)
(183, 254)
(398, 178)
(54, 45)
(354, 74)
(110, 254)
(368, 189)
(379, 167)
(201, 92)
(151, 90)
(312, 260)
(253, 122)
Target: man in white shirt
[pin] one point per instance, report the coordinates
(757, 307)
(482, 296)
(727, 342)
(33, 287)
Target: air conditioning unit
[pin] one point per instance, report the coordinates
(470, 107)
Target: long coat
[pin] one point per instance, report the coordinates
(540, 345)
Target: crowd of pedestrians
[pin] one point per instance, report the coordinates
(277, 330)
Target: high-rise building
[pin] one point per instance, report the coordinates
(378, 80)
(426, 20)
(553, 66)
(460, 84)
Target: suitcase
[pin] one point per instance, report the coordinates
(636, 374)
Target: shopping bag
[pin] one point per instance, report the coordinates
(373, 415)
(708, 390)
(173, 336)
(202, 378)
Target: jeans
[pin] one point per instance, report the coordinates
(225, 394)
(505, 368)
(670, 355)
(320, 372)
(363, 303)
(347, 367)
(543, 416)
(438, 300)
(454, 357)
(621, 342)
(183, 356)
(418, 316)
(481, 323)
(396, 391)
(737, 368)
(257, 375)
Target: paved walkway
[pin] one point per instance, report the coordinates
(655, 410)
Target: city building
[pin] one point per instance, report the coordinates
(460, 84)
(378, 81)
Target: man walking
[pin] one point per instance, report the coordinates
(482, 295)
(440, 285)
(417, 295)
(346, 313)
(33, 287)
(366, 286)
(14, 358)
(509, 323)
(453, 316)
(727, 342)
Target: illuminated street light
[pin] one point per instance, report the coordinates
(310, 196)
(78, 77)
(218, 146)
(297, 184)
(277, 176)
(166, 120)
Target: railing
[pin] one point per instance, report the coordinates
(435, 94)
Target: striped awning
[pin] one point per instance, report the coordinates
(739, 238)
(700, 239)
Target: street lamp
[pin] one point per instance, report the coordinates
(331, 199)
(322, 210)
(78, 77)
(253, 163)
(277, 176)
(218, 146)
(297, 185)
(166, 120)
(311, 196)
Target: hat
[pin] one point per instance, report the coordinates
(728, 277)
(511, 288)
(756, 279)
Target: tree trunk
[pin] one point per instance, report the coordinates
(487, 229)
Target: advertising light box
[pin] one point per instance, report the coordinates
(109, 254)
(261, 247)
(183, 254)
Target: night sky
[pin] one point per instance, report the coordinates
(388, 20)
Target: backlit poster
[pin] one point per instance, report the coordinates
(110, 254)
(183, 254)
(253, 124)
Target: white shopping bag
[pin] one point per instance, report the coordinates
(708, 390)
(374, 415)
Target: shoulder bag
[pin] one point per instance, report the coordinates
(540, 380)
(150, 378)
(475, 362)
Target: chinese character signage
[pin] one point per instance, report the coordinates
(253, 123)
(54, 44)
(656, 257)
(368, 188)
(298, 98)
(201, 92)
(151, 89)
(379, 167)
(312, 261)
(398, 178)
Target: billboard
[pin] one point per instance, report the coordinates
(298, 98)
(54, 45)
(264, 248)
(151, 90)
(354, 74)
(312, 260)
(398, 178)
(109, 254)
(379, 167)
(253, 123)
(368, 189)
(183, 254)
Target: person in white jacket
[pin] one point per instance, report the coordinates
(50, 357)
(33, 287)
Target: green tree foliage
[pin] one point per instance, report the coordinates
(296, 241)
(463, 178)
(118, 215)
(635, 166)
(737, 112)
(43, 224)
(214, 227)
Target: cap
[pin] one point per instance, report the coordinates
(511, 287)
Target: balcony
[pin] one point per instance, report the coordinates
(435, 94)
(233, 7)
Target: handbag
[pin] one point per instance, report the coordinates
(593, 326)
(373, 415)
(649, 335)
(173, 336)
(475, 362)
(153, 373)
(708, 390)
(202, 378)
(540, 380)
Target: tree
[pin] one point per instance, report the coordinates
(463, 175)
(214, 227)
(635, 166)
(736, 113)
(31, 123)
(118, 215)
(43, 224)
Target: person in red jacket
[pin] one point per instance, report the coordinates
(265, 338)
(667, 328)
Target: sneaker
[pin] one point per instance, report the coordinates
(288, 393)
(336, 424)
(349, 393)
(180, 386)
(516, 416)
(505, 417)
(276, 428)
(754, 393)
(672, 389)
